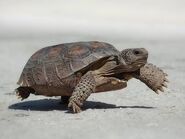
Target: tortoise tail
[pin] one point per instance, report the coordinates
(24, 92)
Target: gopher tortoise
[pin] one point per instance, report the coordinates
(75, 70)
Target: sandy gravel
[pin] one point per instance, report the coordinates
(133, 113)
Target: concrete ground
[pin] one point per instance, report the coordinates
(133, 113)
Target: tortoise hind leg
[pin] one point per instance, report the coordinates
(65, 99)
(24, 92)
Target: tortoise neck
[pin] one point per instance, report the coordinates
(121, 60)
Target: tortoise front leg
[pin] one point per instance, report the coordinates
(82, 91)
(153, 77)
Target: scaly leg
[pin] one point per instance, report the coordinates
(153, 77)
(82, 91)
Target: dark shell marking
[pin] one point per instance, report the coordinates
(53, 65)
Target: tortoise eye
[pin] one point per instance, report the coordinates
(136, 52)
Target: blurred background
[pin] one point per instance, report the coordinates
(110, 20)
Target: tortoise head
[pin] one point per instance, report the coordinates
(135, 58)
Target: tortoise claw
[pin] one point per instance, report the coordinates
(18, 94)
(165, 85)
(166, 80)
(153, 77)
(74, 106)
(161, 89)
(19, 97)
(157, 91)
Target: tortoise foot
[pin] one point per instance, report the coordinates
(23, 92)
(75, 106)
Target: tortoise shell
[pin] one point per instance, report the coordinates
(50, 65)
